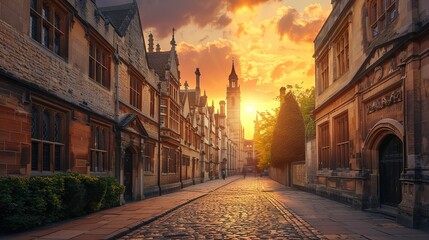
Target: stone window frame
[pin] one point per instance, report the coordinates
(324, 146)
(174, 117)
(49, 25)
(341, 140)
(323, 72)
(136, 86)
(169, 160)
(341, 46)
(48, 138)
(99, 63)
(99, 148)
(148, 155)
(152, 103)
(381, 14)
(172, 161)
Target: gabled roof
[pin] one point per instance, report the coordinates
(120, 16)
(192, 98)
(126, 121)
(158, 61)
(183, 94)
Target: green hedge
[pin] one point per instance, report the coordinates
(34, 201)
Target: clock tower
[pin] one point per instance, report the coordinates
(233, 102)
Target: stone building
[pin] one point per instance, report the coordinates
(74, 77)
(191, 138)
(372, 107)
(233, 103)
(166, 65)
(57, 88)
(136, 105)
(80, 93)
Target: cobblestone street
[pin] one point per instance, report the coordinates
(239, 210)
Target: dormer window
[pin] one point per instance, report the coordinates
(381, 14)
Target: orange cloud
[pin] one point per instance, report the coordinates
(234, 5)
(298, 27)
(214, 60)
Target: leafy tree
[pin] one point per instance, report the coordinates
(264, 128)
(288, 141)
(266, 122)
(306, 101)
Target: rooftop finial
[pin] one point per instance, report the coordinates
(173, 41)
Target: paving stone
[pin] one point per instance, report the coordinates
(240, 210)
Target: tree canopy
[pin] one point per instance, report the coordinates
(264, 128)
(288, 141)
(306, 101)
(266, 122)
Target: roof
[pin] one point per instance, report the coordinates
(233, 75)
(125, 123)
(120, 16)
(158, 61)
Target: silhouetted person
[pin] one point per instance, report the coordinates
(244, 172)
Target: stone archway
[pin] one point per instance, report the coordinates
(381, 160)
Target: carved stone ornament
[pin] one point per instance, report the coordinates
(378, 71)
(384, 101)
(402, 56)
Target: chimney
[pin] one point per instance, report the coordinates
(282, 95)
(150, 43)
(197, 80)
(222, 108)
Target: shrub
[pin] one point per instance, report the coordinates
(29, 202)
(114, 190)
(74, 196)
(15, 199)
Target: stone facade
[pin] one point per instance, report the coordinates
(82, 96)
(371, 107)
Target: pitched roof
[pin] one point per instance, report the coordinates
(120, 16)
(233, 75)
(158, 61)
(192, 98)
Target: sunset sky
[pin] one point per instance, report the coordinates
(271, 42)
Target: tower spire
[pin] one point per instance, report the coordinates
(233, 78)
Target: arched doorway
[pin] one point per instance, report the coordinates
(390, 169)
(128, 174)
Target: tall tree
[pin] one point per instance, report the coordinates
(288, 142)
(264, 128)
(306, 101)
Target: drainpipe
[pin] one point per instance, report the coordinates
(404, 106)
(116, 60)
(159, 137)
(181, 168)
